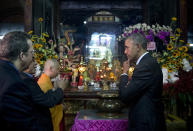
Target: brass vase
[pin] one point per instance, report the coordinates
(109, 102)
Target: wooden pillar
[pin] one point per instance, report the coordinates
(38, 11)
(145, 8)
(183, 18)
(56, 21)
(28, 15)
(44, 9)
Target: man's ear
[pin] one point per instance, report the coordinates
(51, 68)
(138, 47)
(21, 56)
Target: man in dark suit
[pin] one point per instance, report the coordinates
(42, 101)
(16, 108)
(143, 92)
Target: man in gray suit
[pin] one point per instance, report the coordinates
(143, 92)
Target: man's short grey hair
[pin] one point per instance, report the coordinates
(138, 38)
(13, 43)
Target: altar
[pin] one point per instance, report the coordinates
(78, 103)
(93, 120)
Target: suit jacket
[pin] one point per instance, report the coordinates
(144, 93)
(16, 108)
(42, 102)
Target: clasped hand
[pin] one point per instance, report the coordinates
(61, 83)
(126, 65)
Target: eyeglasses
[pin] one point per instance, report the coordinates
(33, 52)
(30, 52)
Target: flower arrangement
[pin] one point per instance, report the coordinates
(150, 31)
(175, 57)
(177, 69)
(43, 48)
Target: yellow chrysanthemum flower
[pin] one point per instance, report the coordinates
(171, 37)
(167, 62)
(170, 69)
(41, 56)
(34, 37)
(172, 62)
(55, 56)
(38, 61)
(164, 66)
(43, 40)
(45, 34)
(169, 47)
(174, 19)
(185, 49)
(182, 41)
(30, 32)
(175, 55)
(178, 30)
(179, 60)
(40, 19)
(177, 68)
(159, 60)
(180, 49)
(176, 51)
(34, 46)
(183, 55)
(168, 57)
(177, 35)
(40, 45)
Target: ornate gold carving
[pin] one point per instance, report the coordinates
(72, 107)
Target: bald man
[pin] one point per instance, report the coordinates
(51, 70)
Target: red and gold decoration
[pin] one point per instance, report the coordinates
(81, 69)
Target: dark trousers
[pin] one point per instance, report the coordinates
(140, 127)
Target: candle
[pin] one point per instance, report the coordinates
(80, 83)
(97, 78)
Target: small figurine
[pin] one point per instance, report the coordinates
(74, 73)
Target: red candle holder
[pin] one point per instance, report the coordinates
(80, 83)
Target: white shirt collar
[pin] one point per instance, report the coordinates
(139, 59)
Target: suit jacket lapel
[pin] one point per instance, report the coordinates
(142, 61)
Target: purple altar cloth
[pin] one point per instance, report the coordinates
(100, 125)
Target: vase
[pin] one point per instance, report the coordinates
(109, 102)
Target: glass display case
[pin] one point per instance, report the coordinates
(101, 46)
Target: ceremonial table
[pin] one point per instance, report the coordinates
(76, 100)
(92, 120)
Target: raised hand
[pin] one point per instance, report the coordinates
(126, 65)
